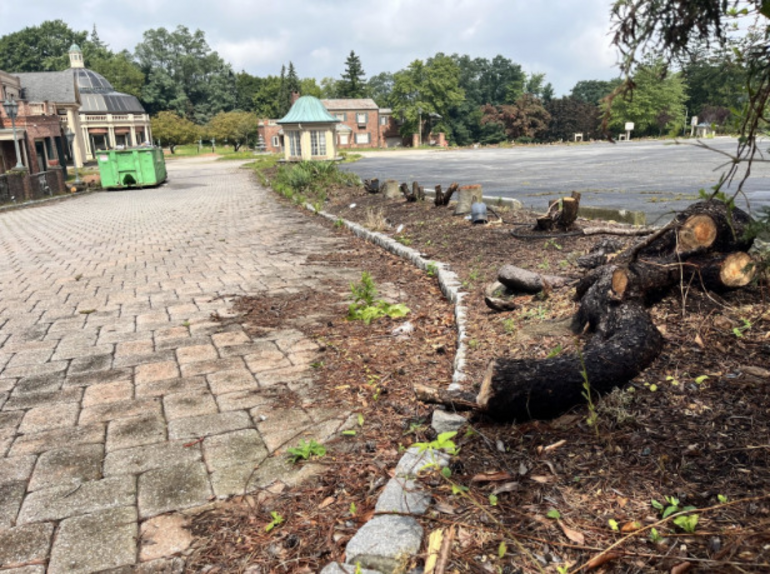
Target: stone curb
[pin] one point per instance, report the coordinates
(387, 539)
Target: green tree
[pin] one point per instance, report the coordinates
(329, 88)
(484, 82)
(353, 84)
(526, 118)
(655, 97)
(309, 87)
(267, 97)
(183, 74)
(593, 91)
(715, 79)
(42, 48)
(380, 87)
(289, 85)
(246, 87)
(173, 130)
(535, 85)
(237, 128)
(569, 116)
(427, 91)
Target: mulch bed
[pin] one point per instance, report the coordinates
(539, 496)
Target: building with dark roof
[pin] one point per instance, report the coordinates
(41, 143)
(100, 117)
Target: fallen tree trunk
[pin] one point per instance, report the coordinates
(522, 280)
(520, 389)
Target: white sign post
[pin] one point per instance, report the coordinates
(629, 129)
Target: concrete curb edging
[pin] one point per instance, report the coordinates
(386, 540)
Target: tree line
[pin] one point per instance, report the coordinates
(184, 85)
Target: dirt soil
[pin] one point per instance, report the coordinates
(539, 496)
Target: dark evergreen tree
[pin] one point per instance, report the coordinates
(353, 84)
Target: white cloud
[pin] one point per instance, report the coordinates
(251, 53)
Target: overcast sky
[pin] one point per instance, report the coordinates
(568, 40)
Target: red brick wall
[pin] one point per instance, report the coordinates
(268, 132)
(372, 127)
(37, 127)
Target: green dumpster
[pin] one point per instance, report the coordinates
(135, 167)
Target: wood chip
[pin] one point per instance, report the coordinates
(498, 476)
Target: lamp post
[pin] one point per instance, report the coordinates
(12, 109)
(70, 135)
(419, 128)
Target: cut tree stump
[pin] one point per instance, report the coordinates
(390, 189)
(372, 185)
(466, 197)
(416, 194)
(561, 213)
(442, 198)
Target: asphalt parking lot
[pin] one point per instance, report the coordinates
(652, 176)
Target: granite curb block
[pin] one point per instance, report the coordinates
(387, 540)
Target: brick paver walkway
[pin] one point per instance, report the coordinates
(121, 400)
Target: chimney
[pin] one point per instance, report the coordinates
(294, 97)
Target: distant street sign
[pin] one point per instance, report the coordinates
(629, 126)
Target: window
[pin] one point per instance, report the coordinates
(362, 118)
(276, 142)
(317, 143)
(362, 138)
(344, 139)
(295, 149)
(341, 117)
(384, 120)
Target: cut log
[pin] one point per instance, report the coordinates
(521, 280)
(720, 272)
(500, 305)
(703, 225)
(698, 231)
(520, 389)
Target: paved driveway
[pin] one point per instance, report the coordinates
(121, 400)
(651, 176)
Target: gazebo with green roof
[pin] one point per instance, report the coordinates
(308, 131)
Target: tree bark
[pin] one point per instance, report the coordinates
(520, 389)
(443, 198)
(522, 280)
